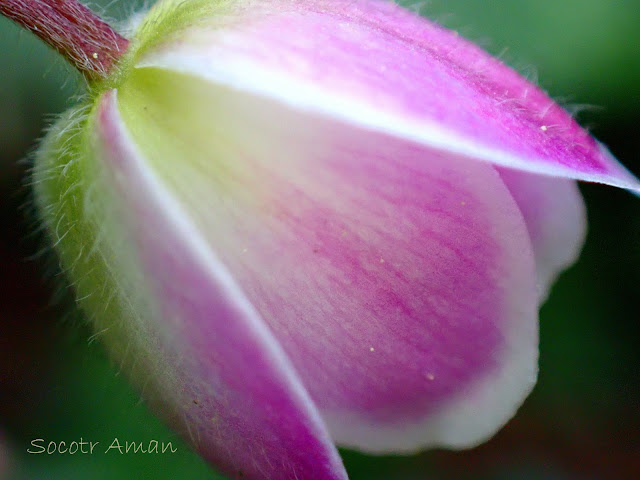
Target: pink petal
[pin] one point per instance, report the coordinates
(398, 279)
(215, 368)
(556, 219)
(376, 65)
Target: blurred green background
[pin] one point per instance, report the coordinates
(581, 422)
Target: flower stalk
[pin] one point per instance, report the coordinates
(90, 44)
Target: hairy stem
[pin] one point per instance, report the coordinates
(83, 38)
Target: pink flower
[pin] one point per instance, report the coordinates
(317, 222)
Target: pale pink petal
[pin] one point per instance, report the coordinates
(379, 66)
(556, 218)
(399, 279)
(225, 380)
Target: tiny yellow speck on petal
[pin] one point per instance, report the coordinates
(95, 55)
(430, 376)
(371, 349)
(382, 260)
(544, 128)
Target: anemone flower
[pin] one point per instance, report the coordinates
(307, 223)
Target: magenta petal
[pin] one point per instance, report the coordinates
(556, 219)
(398, 279)
(224, 380)
(377, 65)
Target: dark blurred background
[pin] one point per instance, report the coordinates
(581, 422)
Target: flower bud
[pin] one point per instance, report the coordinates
(315, 222)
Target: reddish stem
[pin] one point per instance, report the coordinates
(83, 38)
